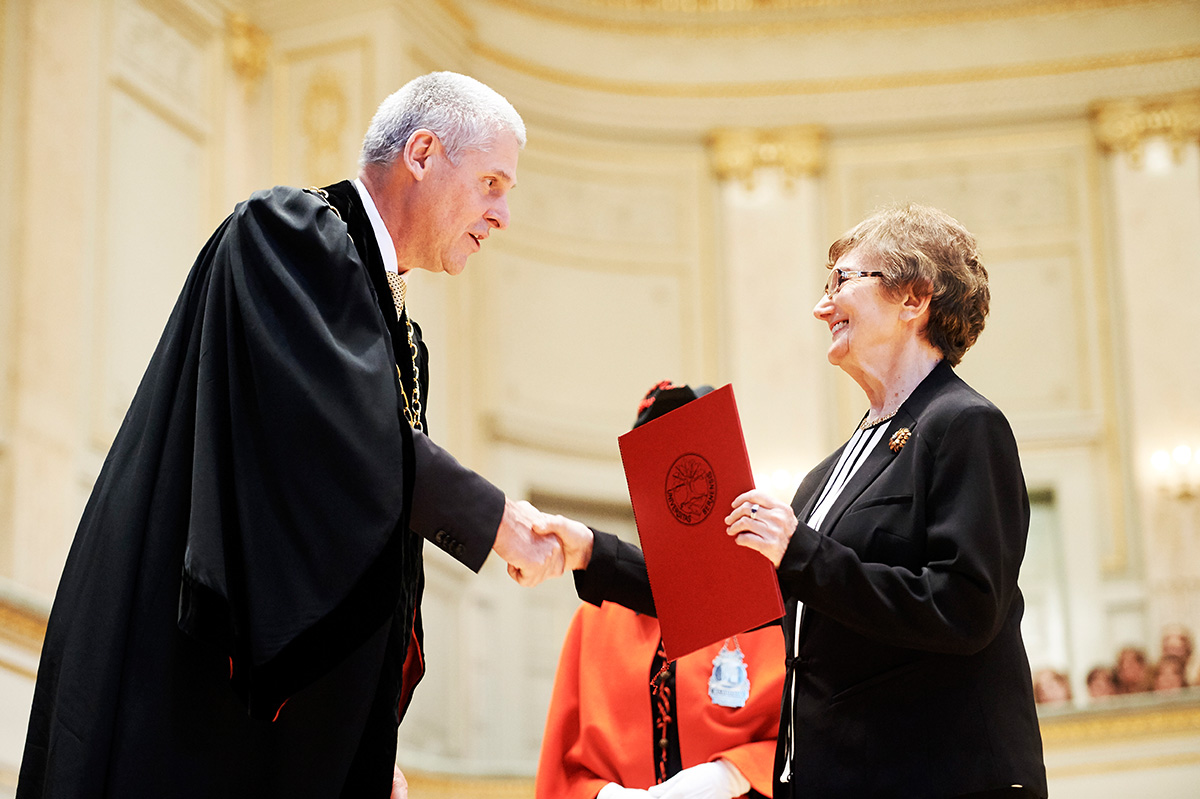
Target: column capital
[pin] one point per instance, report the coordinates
(247, 46)
(735, 153)
(1124, 125)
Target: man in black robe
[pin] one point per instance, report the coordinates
(239, 614)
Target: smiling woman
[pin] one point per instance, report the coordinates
(902, 547)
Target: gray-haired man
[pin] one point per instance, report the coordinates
(240, 611)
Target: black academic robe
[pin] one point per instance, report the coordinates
(241, 597)
(908, 677)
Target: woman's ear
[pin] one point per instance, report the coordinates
(913, 307)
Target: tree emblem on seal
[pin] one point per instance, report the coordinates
(691, 488)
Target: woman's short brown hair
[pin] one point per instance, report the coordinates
(928, 252)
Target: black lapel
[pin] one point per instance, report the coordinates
(877, 459)
(880, 456)
(822, 472)
(344, 197)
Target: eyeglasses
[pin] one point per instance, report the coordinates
(839, 276)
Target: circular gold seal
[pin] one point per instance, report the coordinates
(691, 489)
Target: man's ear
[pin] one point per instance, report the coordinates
(422, 145)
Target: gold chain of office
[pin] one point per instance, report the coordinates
(412, 405)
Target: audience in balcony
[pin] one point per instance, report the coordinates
(1100, 683)
(1051, 687)
(1132, 672)
(1177, 642)
(1171, 673)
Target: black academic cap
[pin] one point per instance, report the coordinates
(666, 397)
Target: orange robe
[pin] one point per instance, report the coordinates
(600, 726)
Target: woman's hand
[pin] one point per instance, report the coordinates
(576, 538)
(760, 522)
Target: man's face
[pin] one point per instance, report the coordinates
(464, 202)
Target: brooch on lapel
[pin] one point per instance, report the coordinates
(899, 439)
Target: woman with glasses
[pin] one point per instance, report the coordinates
(899, 554)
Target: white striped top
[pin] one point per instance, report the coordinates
(854, 455)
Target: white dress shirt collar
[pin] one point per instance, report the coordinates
(386, 248)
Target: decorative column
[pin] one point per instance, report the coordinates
(1153, 168)
(772, 271)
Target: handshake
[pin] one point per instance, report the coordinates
(537, 545)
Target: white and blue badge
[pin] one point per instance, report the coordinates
(729, 685)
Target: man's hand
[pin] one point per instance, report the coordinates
(399, 785)
(531, 558)
(576, 538)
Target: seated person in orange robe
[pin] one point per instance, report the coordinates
(623, 723)
(607, 724)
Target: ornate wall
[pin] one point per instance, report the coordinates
(688, 165)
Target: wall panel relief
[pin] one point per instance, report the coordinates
(1032, 357)
(1022, 198)
(571, 351)
(325, 99)
(163, 59)
(158, 102)
(639, 218)
(151, 222)
(597, 291)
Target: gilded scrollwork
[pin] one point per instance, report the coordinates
(1125, 125)
(248, 47)
(736, 153)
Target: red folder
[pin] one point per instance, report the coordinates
(684, 470)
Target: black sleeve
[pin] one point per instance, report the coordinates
(616, 573)
(455, 508)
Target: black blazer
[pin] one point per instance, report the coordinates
(908, 676)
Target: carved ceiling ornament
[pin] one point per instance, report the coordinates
(1125, 125)
(737, 152)
(247, 46)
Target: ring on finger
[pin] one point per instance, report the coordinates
(754, 511)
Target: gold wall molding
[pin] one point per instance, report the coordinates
(461, 18)
(22, 626)
(784, 88)
(735, 153)
(1161, 718)
(439, 786)
(8, 776)
(1125, 125)
(248, 48)
(751, 18)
